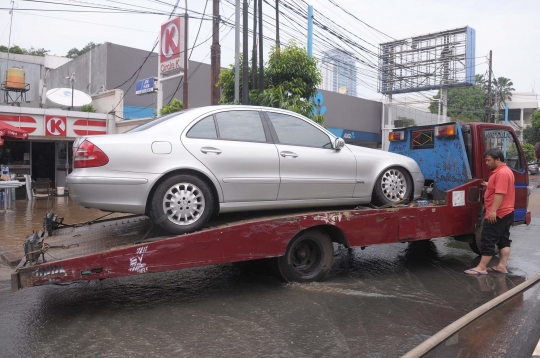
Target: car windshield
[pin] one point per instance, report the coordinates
(157, 121)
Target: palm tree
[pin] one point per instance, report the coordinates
(502, 92)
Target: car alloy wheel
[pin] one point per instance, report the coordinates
(394, 185)
(183, 203)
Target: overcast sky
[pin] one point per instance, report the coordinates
(509, 28)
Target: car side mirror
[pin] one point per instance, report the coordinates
(339, 143)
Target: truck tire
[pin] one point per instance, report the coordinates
(393, 185)
(308, 258)
(181, 204)
(476, 244)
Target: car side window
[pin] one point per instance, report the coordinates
(294, 131)
(205, 128)
(241, 125)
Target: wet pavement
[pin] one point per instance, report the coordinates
(509, 330)
(377, 302)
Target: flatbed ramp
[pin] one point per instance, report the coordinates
(301, 240)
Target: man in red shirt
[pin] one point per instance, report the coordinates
(499, 202)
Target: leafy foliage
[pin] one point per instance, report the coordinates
(528, 150)
(291, 78)
(175, 106)
(468, 104)
(407, 122)
(465, 104)
(22, 51)
(88, 108)
(74, 52)
(531, 134)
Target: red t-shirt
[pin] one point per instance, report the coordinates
(501, 181)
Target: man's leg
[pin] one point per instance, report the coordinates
(489, 238)
(504, 254)
(504, 243)
(481, 267)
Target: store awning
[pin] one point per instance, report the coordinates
(9, 131)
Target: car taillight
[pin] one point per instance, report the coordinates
(399, 135)
(88, 155)
(445, 131)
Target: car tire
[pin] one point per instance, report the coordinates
(476, 244)
(181, 204)
(394, 184)
(309, 257)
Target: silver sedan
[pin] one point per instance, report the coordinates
(183, 168)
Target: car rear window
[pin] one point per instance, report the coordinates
(204, 129)
(157, 121)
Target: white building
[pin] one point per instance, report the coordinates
(520, 109)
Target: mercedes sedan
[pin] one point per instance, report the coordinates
(183, 168)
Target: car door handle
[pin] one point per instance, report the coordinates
(288, 154)
(207, 150)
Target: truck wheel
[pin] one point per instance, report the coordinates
(476, 244)
(393, 185)
(309, 257)
(181, 204)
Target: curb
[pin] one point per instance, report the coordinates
(8, 258)
(451, 329)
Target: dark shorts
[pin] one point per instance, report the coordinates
(496, 234)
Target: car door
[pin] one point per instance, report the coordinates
(237, 148)
(515, 160)
(309, 166)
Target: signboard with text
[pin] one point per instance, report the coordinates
(145, 86)
(171, 46)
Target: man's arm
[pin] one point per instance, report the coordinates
(492, 217)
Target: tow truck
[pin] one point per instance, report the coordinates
(299, 245)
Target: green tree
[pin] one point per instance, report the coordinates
(528, 150)
(501, 92)
(88, 108)
(531, 134)
(290, 80)
(407, 122)
(22, 51)
(465, 104)
(74, 52)
(175, 106)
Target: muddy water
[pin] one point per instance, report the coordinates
(378, 302)
(23, 216)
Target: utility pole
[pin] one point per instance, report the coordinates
(310, 31)
(261, 62)
(237, 52)
(488, 109)
(215, 56)
(245, 64)
(254, 55)
(185, 84)
(277, 27)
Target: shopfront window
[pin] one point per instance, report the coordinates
(15, 153)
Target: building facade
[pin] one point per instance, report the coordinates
(338, 69)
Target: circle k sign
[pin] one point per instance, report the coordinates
(171, 44)
(55, 126)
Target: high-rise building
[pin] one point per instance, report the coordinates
(339, 72)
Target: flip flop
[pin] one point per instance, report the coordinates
(494, 270)
(478, 273)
